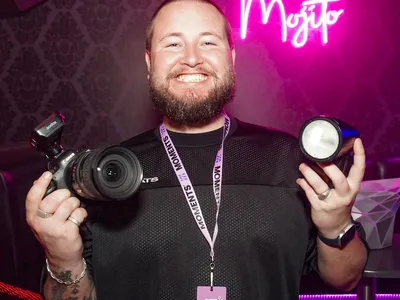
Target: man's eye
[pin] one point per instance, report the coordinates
(208, 44)
(173, 45)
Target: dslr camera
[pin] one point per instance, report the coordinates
(109, 173)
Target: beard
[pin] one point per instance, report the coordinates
(192, 109)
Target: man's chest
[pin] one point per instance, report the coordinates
(267, 219)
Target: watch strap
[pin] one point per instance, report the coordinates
(342, 239)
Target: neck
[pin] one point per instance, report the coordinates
(214, 124)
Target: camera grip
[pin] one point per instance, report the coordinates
(50, 188)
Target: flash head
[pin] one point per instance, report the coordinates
(324, 139)
(46, 137)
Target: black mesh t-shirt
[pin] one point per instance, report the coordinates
(150, 247)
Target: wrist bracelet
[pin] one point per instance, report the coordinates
(70, 281)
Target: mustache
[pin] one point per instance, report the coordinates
(202, 70)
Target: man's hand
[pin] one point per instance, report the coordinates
(55, 222)
(333, 214)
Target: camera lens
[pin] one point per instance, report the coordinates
(112, 172)
(108, 173)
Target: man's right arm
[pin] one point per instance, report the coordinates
(83, 290)
(55, 220)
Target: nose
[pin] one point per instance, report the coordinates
(192, 56)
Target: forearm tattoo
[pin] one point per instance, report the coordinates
(74, 291)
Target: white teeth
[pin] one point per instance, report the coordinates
(192, 78)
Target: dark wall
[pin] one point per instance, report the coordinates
(86, 59)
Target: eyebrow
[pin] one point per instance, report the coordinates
(179, 34)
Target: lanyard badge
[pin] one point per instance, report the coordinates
(203, 292)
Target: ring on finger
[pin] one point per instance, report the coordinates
(75, 221)
(324, 195)
(43, 214)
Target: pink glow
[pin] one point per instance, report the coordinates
(348, 297)
(300, 22)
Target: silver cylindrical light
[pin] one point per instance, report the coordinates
(323, 139)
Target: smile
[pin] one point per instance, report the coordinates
(192, 78)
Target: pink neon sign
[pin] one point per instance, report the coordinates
(301, 22)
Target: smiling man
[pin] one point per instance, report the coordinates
(190, 60)
(235, 212)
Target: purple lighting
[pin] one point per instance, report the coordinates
(348, 297)
(301, 23)
(7, 177)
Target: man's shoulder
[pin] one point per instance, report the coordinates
(146, 138)
(264, 133)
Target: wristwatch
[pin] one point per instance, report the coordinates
(343, 238)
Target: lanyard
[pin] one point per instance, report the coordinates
(188, 189)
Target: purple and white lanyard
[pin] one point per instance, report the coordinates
(188, 189)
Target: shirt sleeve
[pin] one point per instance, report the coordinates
(311, 259)
(87, 240)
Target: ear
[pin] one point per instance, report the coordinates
(233, 53)
(148, 63)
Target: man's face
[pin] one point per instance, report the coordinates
(190, 66)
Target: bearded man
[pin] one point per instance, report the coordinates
(235, 212)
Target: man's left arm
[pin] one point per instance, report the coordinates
(340, 266)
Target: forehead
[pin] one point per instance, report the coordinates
(188, 18)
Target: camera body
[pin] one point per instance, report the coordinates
(108, 173)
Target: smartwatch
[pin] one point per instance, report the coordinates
(342, 239)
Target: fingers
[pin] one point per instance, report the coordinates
(356, 173)
(66, 208)
(314, 181)
(319, 185)
(337, 177)
(310, 193)
(36, 193)
(51, 202)
(341, 184)
(79, 215)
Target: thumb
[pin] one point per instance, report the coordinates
(36, 193)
